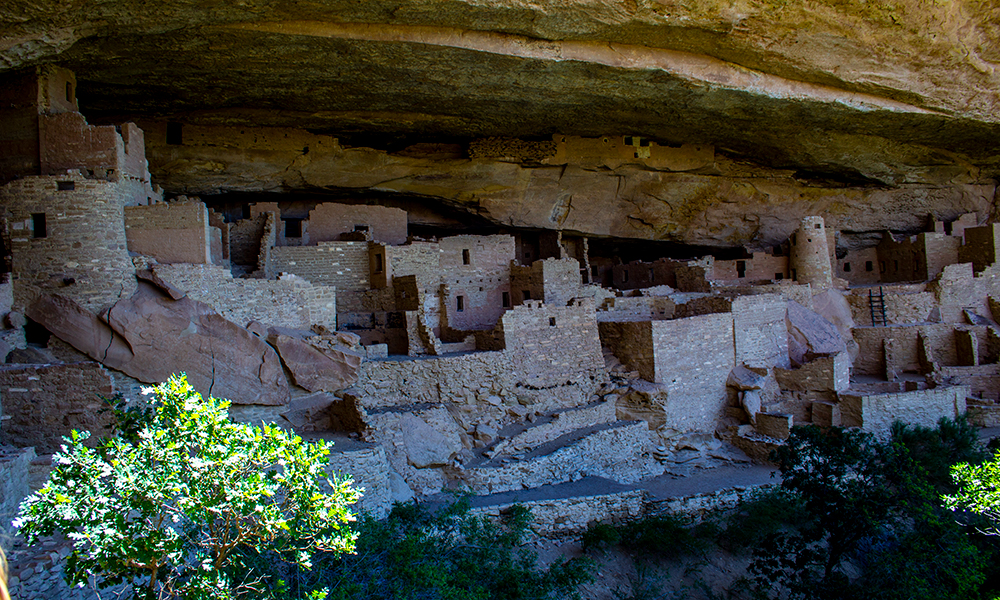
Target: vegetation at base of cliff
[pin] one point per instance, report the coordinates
(452, 554)
(854, 518)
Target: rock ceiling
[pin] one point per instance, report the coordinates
(882, 93)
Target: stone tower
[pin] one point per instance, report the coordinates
(810, 254)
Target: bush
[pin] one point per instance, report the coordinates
(415, 553)
(185, 503)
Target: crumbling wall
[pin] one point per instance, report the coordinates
(635, 308)
(329, 220)
(174, 232)
(958, 289)
(898, 348)
(462, 378)
(46, 402)
(824, 374)
(15, 468)
(245, 238)
(287, 302)
(69, 241)
(877, 412)
(904, 304)
(980, 247)
(554, 345)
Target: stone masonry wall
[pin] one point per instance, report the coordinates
(554, 345)
(15, 464)
(632, 343)
(692, 359)
(903, 343)
(876, 412)
(343, 265)
(175, 232)
(45, 402)
(761, 333)
(82, 253)
(288, 302)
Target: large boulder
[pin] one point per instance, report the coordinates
(810, 336)
(326, 369)
(833, 306)
(152, 335)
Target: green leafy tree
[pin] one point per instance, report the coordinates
(187, 503)
(978, 492)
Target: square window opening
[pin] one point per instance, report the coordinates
(779, 276)
(869, 266)
(293, 228)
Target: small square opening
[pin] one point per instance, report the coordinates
(526, 294)
(869, 266)
(847, 267)
(293, 228)
(818, 226)
(779, 276)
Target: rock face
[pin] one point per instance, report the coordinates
(328, 369)
(877, 113)
(150, 336)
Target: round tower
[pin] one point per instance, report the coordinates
(810, 254)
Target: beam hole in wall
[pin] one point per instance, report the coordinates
(175, 134)
(65, 186)
(818, 226)
(38, 227)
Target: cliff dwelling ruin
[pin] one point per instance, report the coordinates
(500, 294)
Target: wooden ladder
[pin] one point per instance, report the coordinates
(877, 305)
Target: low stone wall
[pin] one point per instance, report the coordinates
(572, 516)
(877, 412)
(369, 468)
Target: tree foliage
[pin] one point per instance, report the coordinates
(183, 504)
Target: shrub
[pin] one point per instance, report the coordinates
(180, 505)
(416, 553)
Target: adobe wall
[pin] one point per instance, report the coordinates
(170, 232)
(45, 402)
(287, 302)
(84, 254)
(553, 346)
(876, 412)
(761, 335)
(343, 265)
(329, 220)
(692, 359)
